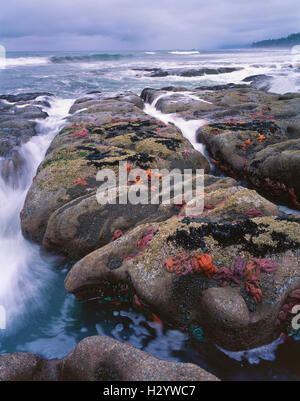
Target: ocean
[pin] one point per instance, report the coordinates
(41, 317)
(71, 74)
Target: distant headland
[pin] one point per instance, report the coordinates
(289, 41)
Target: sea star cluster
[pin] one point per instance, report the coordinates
(81, 181)
(146, 237)
(83, 133)
(184, 264)
(117, 234)
(142, 243)
(203, 263)
(253, 213)
(179, 264)
(286, 310)
(227, 275)
(249, 271)
(240, 271)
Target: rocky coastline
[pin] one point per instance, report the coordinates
(229, 276)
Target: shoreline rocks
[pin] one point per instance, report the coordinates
(261, 81)
(249, 134)
(61, 210)
(253, 268)
(124, 252)
(17, 126)
(185, 72)
(225, 275)
(99, 358)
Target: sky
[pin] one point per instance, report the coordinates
(28, 25)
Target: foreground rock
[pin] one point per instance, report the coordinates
(185, 72)
(98, 359)
(17, 125)
(61, 210)
(250, 134)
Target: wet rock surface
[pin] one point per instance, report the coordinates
(98, 359)
(223, 281)
(228, 275)
(261, 81)
(250, 134)
(103, 129)
(185, 72)
(18, 115)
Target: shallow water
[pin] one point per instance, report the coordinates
(188, 128)
(40, 316)
(26, 273)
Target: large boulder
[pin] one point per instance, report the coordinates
(61, 210)
(180, 102)
(98, 359)
(83, 225)
(260, 81)
(259, 142)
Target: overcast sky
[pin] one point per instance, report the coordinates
(143, 24)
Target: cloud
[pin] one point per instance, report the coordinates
(143, 24)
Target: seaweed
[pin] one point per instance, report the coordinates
(229, 234)
(138, 131)
(141, 160)
(263, 127)
(96, 157)
(171, 143)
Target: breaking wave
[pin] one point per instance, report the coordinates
(87, 58)
(25, 61)
(185, 52)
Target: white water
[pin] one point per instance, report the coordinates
(255, 355)
(24, 271)
(25, 61)
(184, 52)
(188, 128)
